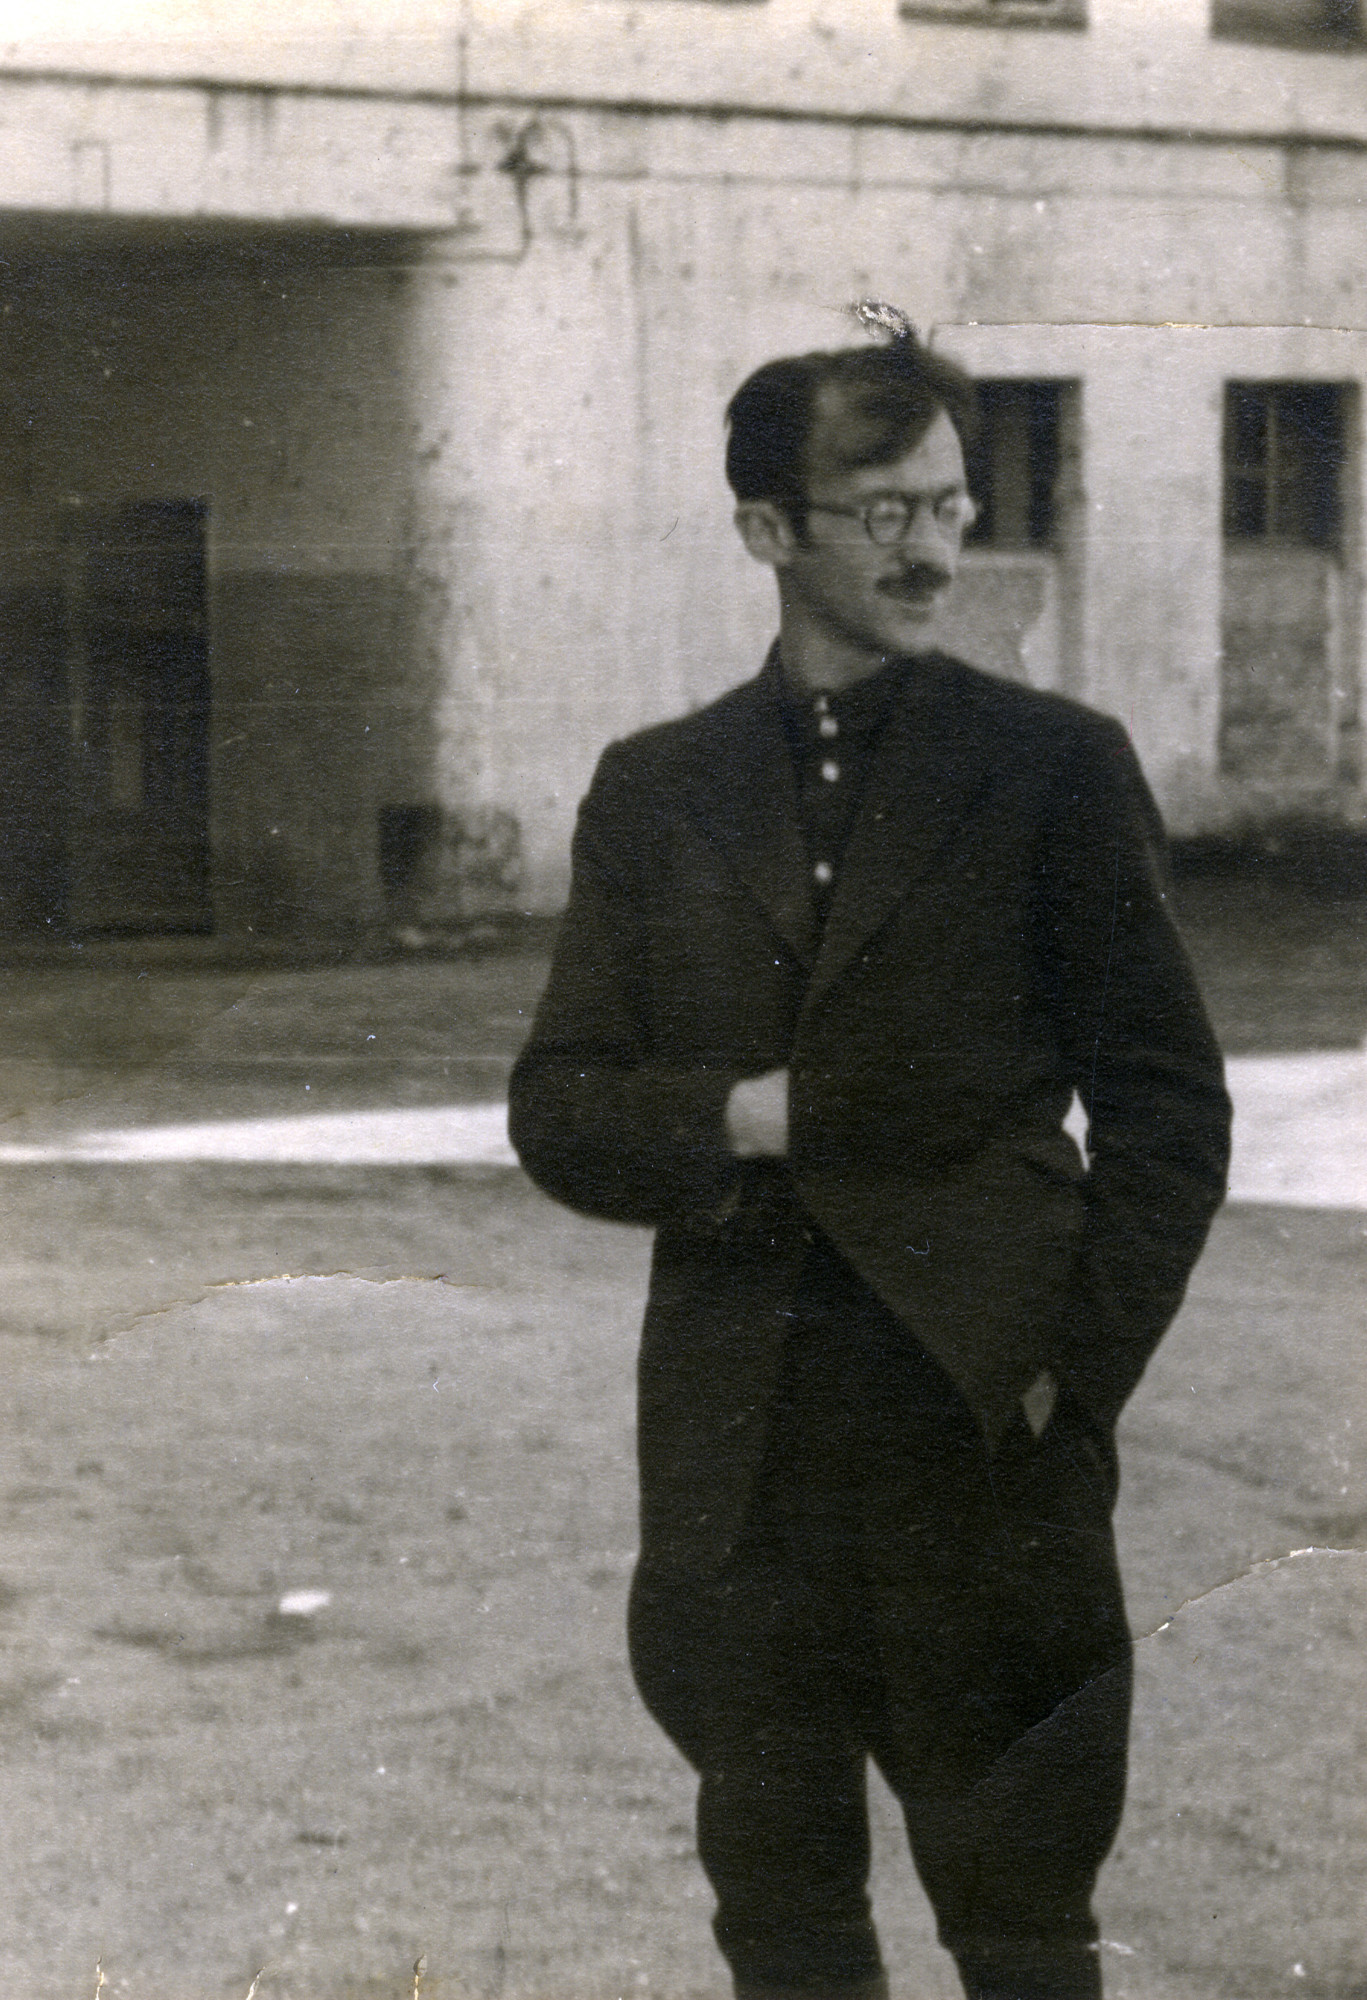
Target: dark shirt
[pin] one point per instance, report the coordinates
(832, 738)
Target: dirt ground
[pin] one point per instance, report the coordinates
(430, 1420)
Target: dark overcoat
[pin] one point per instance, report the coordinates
(999, 939)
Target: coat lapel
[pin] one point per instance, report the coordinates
(929, 772)
(744, 795)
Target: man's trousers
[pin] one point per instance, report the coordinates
(900, 1593)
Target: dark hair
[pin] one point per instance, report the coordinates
(890, 395)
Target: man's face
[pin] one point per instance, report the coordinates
(863, 599)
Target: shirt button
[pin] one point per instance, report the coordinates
(830, 771)
(828, 726)
(823, 874)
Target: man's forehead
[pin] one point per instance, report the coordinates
(843, 434)
(846, 434)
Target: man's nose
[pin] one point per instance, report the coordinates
(925, 530)
(925, 541)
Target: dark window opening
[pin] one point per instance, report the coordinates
(1283, 462)
(406, 834)
(1013, 468)
(1310, 24)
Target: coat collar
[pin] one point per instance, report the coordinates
(930, 767)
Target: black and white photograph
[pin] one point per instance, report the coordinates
(683, 1000)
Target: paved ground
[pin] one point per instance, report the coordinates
(428, 1427)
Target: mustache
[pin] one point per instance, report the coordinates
(916, 580)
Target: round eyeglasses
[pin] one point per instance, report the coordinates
(887, 516)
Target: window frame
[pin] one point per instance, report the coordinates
(1256, 22)
(1276, 474)
(1037, 501)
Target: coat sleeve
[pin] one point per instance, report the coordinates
(1143, 1059)
(597, 1120)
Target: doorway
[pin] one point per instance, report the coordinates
(136, 644)
(104, 719)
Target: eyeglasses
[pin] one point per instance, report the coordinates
(887, 517)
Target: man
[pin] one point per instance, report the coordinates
(839, 951)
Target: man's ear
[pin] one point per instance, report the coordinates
(767, 532)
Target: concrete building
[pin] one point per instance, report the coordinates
(361, 383)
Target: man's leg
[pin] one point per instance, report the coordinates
(1007, 1661)
(739, 1675)
(762, 1679)
(1011, 1866)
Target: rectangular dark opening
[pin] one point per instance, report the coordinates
(1013, 468)
(1291, 24)
(1000, 13)
(405, 835)
(138, 686)
(1284, 446)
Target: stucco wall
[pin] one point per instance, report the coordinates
(467, 493)
(1137, 64)
(577, 467)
